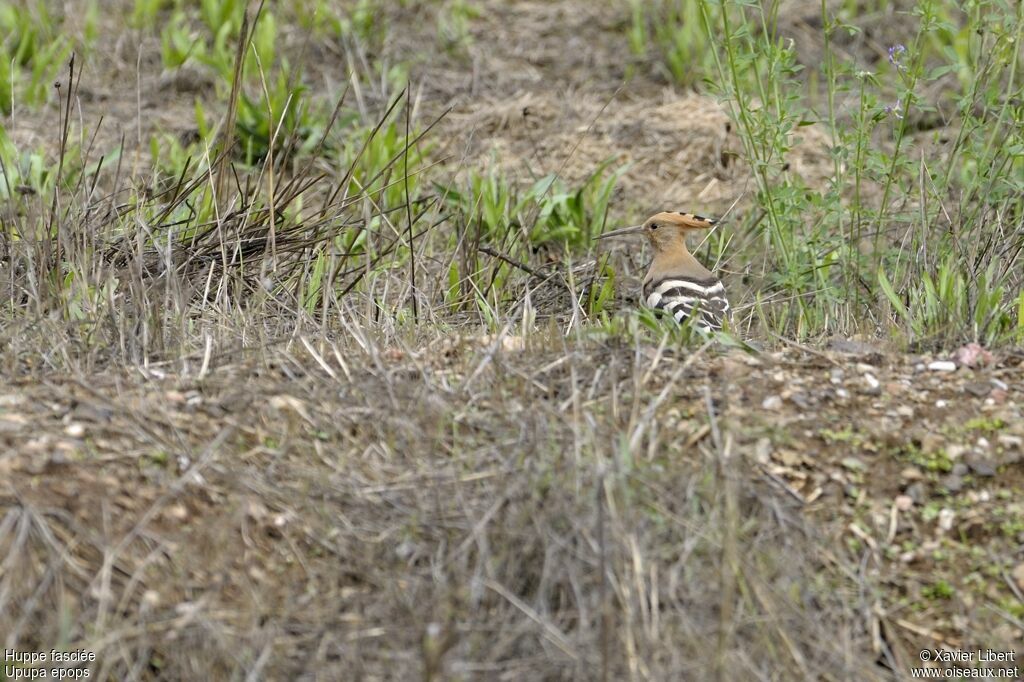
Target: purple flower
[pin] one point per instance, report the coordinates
(895, 53)
(895, 110)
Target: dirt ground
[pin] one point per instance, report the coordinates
(284, 515)
(465, 506)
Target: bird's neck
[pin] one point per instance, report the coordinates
(675, 261)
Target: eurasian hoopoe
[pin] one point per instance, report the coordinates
(676, 283)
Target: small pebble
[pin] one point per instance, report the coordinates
(942, 366)
(178, 512)
(853, 464)
(801, 400)
(904, 502)
(916, 492)
(982, 467)
(952, 483)
(978, 496)
(772, 402)
(979, 389)
(946, 517)
(1008, 441)
(911, 474)
(955, 450)
(150, 599)
(74, 430)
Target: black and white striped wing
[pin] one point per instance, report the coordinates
(684, 297)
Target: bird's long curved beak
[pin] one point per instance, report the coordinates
(632, 229)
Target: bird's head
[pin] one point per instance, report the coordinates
(666, 231)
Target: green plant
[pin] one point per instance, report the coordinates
(938, 590)
(916, 245)
(33, 53)
(273, 109)
(453, 20)
(24, 172)
(671, 31)
(145, 12)
(547, 212)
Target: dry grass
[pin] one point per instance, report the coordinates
(378, 513)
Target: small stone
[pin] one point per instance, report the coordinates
(842, 393)
(178, 512)
(916, 492)
(853, 464)
(946, 517)
(955, 450)
(801, 400)
(940, 404)
(905, 411)
(973, 355)
(911, 474)
(74, 430)
(942, 366)
(979, 389)
(772, 402)
(959, 469)
(150, 599)
(1010, 442)
(895, 387)
(904, 502)
(1001, 385)
(863, 368)
(983, 443)
(952, 483)
(982, 467)
(874, 387)
(978, 496)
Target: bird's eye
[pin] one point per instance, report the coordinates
(654, 226)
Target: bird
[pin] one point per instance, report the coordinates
(676, 283)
